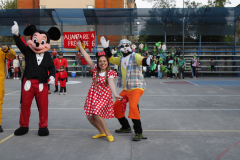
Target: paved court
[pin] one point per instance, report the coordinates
(191, 119)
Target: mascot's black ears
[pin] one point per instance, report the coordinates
(53, 33)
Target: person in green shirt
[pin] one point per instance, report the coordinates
(181, 64)
(161, 60)
(164, 70)
(145, 47)
(154, 51)
(175, 67)
(172, 51)
(153, 66)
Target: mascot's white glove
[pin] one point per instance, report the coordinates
(104, 43)
(52, 80)
(149, 60)
(15, 28)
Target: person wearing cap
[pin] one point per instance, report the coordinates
(131, 79)
(58, 62)
(159, 46)
(181, 69)
(5, 53)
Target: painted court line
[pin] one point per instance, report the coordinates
(12, 92)
(224, 152)
(6, 138)
(69, 95)
(192, 83)
(143, 130)
(191, 95)
(142, 109)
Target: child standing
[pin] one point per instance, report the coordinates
(63, 79)
(212, 64)
(16, 66)
(134, 47)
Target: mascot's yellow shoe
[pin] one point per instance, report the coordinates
(110, 138)
(99, 135)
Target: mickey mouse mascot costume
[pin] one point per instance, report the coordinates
(35, 77)
(130, 78)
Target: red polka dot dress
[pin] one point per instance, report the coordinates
(99, 100)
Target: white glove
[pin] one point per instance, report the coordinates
(104, 43)
(52, 80)
(15, 28)
(149, 60)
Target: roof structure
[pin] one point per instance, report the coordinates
(129, 21)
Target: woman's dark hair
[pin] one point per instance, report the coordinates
(98, 70)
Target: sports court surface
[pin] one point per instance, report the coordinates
(190, 119)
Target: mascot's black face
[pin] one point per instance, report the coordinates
(40, 40)
(125, 47)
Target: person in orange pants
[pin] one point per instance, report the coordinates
(5, 53)
(130, 78)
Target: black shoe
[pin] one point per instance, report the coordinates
(138, 137)
(1, 130)
(56, 89)
(21, 131)
(128, 130)
(43, 131)
(49, 92)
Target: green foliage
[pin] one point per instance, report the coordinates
(6, 39)
(217, 3)
(192, 4)
(162, 3)
(8, 4)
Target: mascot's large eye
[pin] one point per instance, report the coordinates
(35, 40)
(42, 42)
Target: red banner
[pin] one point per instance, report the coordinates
(70, 39)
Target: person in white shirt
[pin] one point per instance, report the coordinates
(16, 65)
(133, 47)
(141, 47)
(164, 48)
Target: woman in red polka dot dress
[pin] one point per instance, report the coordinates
(99, 103)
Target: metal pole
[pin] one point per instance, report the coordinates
(183, 28)
(183, 36)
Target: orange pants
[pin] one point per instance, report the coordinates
(133, 98)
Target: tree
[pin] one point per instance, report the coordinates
(8, 4)
(192, 4)
(162, 3)
(217, 3)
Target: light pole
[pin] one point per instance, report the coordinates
(183, 29)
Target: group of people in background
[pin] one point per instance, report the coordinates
(15, 67)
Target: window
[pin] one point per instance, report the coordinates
(42, 7)
(89, 6)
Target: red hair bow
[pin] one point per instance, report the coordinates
(101, 53)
